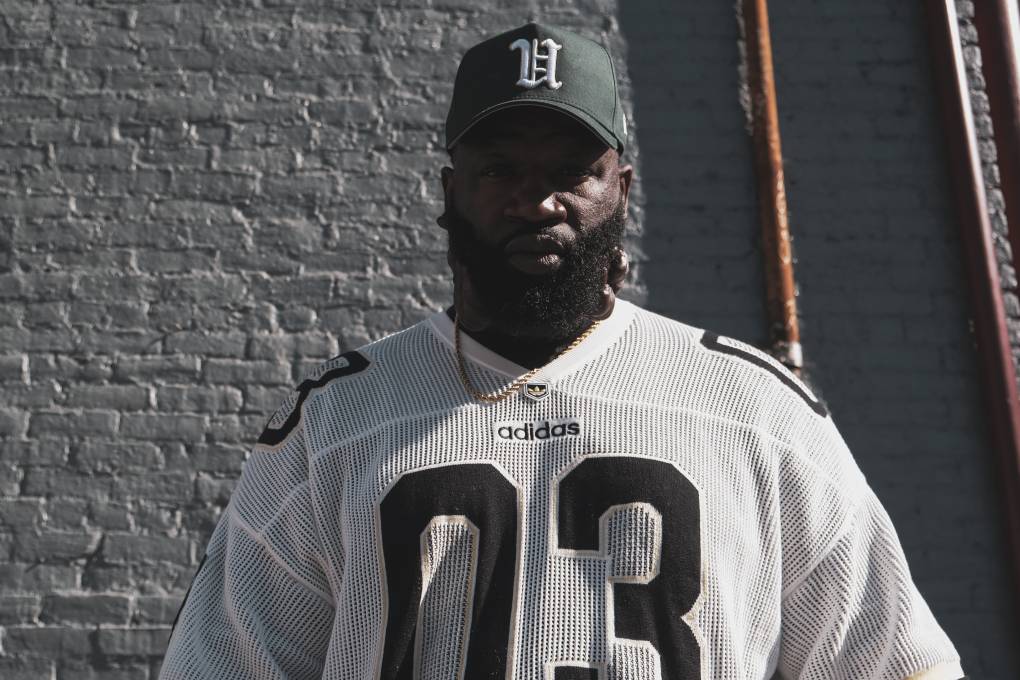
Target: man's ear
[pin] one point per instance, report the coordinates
(626, 176)
(446, 177)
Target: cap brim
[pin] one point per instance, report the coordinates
(582, 117)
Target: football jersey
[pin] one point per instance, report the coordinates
(660, 502)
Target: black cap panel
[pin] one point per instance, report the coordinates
(566, 72)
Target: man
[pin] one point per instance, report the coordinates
(543, 482)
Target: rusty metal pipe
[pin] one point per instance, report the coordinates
(780, 289)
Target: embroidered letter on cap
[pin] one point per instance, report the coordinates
(529, 63)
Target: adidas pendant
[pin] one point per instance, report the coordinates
(536, 390)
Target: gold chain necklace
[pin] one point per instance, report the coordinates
(505, 392)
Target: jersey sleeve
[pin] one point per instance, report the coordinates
(260, 606)
(850, 608)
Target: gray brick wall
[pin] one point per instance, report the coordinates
(197, 201)
(885, 302)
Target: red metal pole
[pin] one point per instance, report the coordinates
(780, 289)
(999, 34)
(996, 361)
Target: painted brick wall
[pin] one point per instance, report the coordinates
(885, 302)
(197, 201)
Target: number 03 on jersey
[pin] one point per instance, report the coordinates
(615, 559)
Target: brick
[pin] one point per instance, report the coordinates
(26, 668)
(132, 549)
(48, 641)
(68, 514)
(54, 546)
(110, 669)
(10, 479)
(116, 286)
(97, 57)
(157, 368)
(235, 372)
(110, 516)
(161, 519)
(119, 397)
(38, 206)
(236, 428)
(163, 426)
(40, 340)
(12, 158)
(85, 608)
(96, 368)
(212, 490)
(108, 578)
(207, 344)
(198, 399)
(218, 458)
(299, 289)
(36, 577)
(74, 423)
(263, 400)
(213, 186)
(21, 514)
(133, 641)
(93, 157)
(293, 345)
(18, 609)
(150, 609)
(176, 260)
(204, 289)
(43, 481)
(127, 315)
(12, 423)
(298, 319)
(39, 286)
(173, 487)
(45, 315)
(191, 211)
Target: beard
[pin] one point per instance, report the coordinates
(555, 305)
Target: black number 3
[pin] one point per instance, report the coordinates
(452, 532)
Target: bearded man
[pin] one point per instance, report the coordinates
(543, 482)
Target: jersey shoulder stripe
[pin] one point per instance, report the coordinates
(715, 342)
(355, 362)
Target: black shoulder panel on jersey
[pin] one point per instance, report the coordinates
(356, 362)
(711, 341)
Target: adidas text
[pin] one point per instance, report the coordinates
(537, 430)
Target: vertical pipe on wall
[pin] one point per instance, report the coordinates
(993, 349)
(780, 289)
(998, 27)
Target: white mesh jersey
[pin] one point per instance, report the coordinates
(678, 505)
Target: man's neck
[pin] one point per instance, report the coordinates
(529, 353)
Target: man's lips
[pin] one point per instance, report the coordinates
(534, 244)
(535, 254)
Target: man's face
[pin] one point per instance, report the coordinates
(535, 205)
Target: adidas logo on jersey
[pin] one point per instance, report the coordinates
(537, 430)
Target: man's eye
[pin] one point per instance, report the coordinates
(495, 170)
(571, 171)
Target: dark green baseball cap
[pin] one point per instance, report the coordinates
(538, 65)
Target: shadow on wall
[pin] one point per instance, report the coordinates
(695, 201)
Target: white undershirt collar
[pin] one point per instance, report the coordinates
(594, 345)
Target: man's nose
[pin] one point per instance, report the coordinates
(535, 201)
